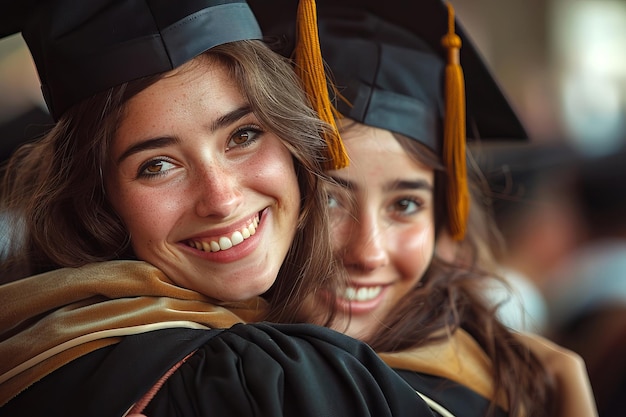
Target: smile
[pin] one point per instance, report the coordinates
(226, 242)
(361, 293)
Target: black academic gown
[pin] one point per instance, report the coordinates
(449, 398)
(246, 370)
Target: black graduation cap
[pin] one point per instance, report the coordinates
(398, 66)
(385, 46)
(84, 47)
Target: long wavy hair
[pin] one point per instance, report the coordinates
(450, 296)
(55, 185)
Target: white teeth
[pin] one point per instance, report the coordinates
(224, 242)
(349, 294)
(362, 293)
(236, 238)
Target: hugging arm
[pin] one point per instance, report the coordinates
(285, 370)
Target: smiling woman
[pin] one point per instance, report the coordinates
(195, 169)
(187, 125)
(384, 223)
(179, 195)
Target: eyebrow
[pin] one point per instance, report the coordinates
(408, 185)
(163, 141)
(230, 117)
(153, 143)
(393, 186)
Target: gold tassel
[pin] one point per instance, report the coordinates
(454, 134)
(310, 68)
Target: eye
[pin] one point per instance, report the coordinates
(406, 206)
(332, 202)
(155, 167)
(244, 136)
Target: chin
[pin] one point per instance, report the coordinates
(247, 293)
(360, 333)
(344, 325)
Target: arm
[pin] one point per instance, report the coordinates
(285, 370)
(258, 369)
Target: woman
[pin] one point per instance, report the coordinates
(183, 176)
(413, 297)
(417, 267)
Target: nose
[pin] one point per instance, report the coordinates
(365, 246)
(218, 191)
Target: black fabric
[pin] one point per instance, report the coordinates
(108, 381)
(81, 48)
(456, 398)
(247, 370)
(386, 58)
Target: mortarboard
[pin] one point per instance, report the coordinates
(374, 24)
(84, 47)
(388, 61)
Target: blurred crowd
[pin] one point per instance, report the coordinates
(562, 215)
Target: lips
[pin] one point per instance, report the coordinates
(358, 300)
(226, 242)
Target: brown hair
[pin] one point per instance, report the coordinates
(450, 296)
(56, 184)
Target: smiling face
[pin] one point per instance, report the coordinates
(207, 194)
(383, 226)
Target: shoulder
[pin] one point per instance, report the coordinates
(450, 398)
(286, 369)
(251, 369)
(109, 380)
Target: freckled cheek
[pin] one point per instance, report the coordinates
(150, 216)
(273, 173)
(414, 250)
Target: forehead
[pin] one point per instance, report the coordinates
(183, 104)
(376, 157)
(201, 83)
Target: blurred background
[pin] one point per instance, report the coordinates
(560, 199)
(561, 62)
(561, 202)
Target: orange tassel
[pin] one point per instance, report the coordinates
(454, 134)
(310, 68)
